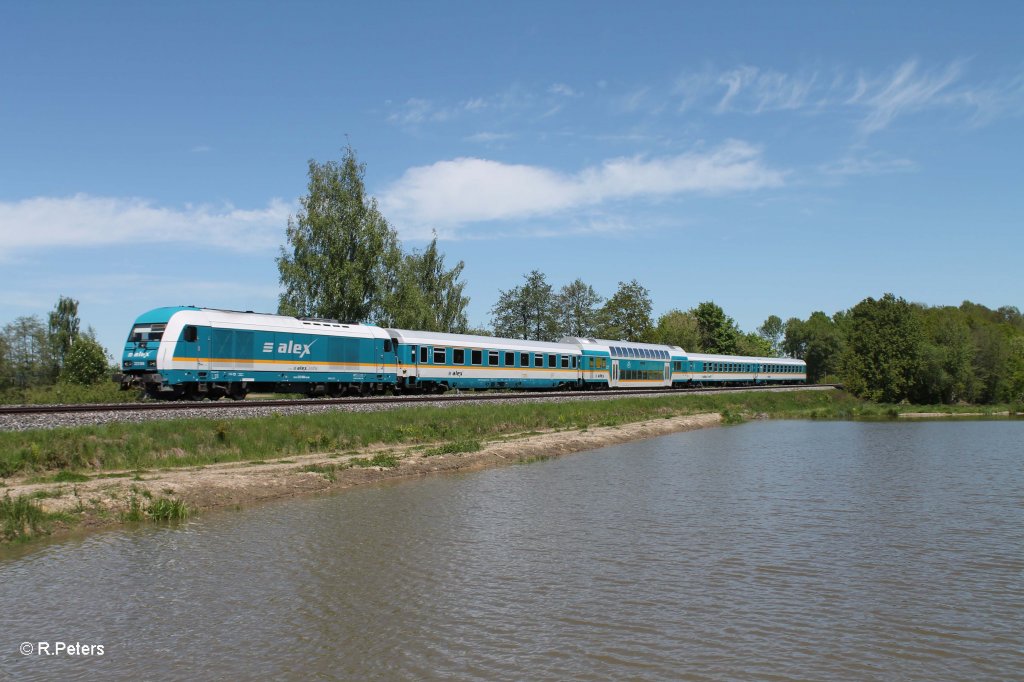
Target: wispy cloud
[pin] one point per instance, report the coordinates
(487, 137)
(874, 164)
(876, 99)
(84, 220)
(563, 90)
(449, 194)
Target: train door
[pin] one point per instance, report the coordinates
(192, 346)
(668, 373)
(615, 373)
(378, 352)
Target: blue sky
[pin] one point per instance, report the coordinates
(777, 158)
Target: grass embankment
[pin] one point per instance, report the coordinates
(196, 442)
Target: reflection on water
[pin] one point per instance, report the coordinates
(782, 550)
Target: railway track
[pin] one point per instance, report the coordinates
(379, 400)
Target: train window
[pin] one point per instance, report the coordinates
(424, 354)
(439, 356)
(387, 345)
(552, 361)
(492, 358)
(575, 362)
(477, 357)
(565, 362)
(538, 360)
(510, 359)
(524, 359)
(458, 356)
(191, 333)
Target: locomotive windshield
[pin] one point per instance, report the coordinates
(147, 332)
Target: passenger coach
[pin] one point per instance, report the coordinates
(434, 361)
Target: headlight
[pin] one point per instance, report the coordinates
(151, 363)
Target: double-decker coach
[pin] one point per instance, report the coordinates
(625, 364)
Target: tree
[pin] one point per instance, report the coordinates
(818, 341)
(86, 362)
(341, 247)
(425, 295)
(28, 353)
(718, 331)
(755, 345)
(773, 331)
(626, 315)
(576, 306)
(527, 311)
(62, 331)
(883, 349)
(676, 328)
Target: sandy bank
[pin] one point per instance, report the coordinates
(102, 501)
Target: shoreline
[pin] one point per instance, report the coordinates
(104, 502)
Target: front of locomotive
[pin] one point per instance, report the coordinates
(141, 359)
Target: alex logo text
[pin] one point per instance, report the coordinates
(299, 350)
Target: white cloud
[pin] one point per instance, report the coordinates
(450, 194)
(84, 220)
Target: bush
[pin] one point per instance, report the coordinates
(85, 363)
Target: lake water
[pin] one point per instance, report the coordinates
(768, 551)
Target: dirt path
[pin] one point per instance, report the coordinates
(103, 501)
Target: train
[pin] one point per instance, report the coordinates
(191, 353)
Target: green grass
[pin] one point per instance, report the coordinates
(21, 519)
(167, 509)
(199, 442)
(68, 394)
(384, 459)
(328, 471)
(454, 448)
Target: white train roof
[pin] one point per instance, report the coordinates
(586, 342)
(408, 336)
(743, 358)
(233, 319)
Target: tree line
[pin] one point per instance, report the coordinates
(34, 353)
(344, 261)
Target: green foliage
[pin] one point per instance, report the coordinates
(527, 311)
(425, 295)
(752, 344)
(818, 341)
(627, 314)
(385, 460)
(576, 309)
(773, 331)
(718, 332)
(341, 248)
(27, 360)
(454, 448)
(883, 349)
(167, 509)
(328, 471)
(85, 362)
(21, 518)
(68, 394)
(676, 328)
(62, 331)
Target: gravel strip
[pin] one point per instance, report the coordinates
(28, 422)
